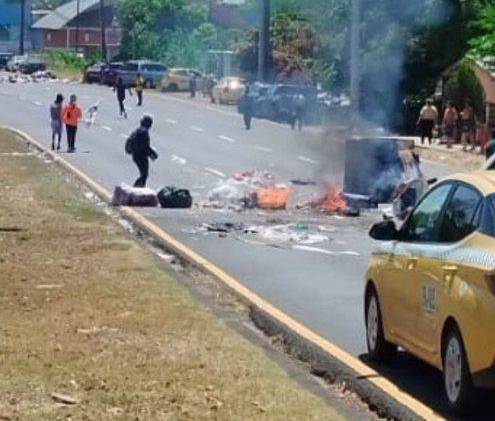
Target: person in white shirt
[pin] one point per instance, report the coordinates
(428, 118)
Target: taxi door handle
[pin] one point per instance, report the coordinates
(412, 262)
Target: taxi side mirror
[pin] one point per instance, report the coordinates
(384, 231)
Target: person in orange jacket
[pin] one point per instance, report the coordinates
(71, 116)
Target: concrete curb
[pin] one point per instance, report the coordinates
(327, 359)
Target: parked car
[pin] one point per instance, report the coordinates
(32, 65)
(109, 73)
(14, 63)
(4, 59)
(178, 79)
(430, 286)
(229, 90)
(152, 72)
(278, 103)
(94, 73)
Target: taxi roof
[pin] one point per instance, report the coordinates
(484, 180)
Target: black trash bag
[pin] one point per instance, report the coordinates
(170, 197)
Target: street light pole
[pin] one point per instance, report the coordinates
(22, 29)
(103, 33)
(77, 25)
(354, 61)
(264, 40)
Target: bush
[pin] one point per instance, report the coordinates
(65, 60)
(463, 85)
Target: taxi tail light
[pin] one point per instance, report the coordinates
(490, 280)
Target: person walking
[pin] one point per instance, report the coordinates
(71, 115)
(193, 85)
(138, 145)
(468, 126)
(247, 108)
(56, 120)
(299, 105)
(449, 123)
(428, 118)
(139, 87)
(120, 89)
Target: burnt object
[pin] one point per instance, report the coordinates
(373, 169)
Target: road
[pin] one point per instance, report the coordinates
(198, 144)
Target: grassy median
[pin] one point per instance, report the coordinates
(86, 314)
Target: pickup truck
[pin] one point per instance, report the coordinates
(151, 72)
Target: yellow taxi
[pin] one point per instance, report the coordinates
(430, 285)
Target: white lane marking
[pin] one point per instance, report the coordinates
(263, 149)
(226, 138)
(325, 251)
(197, 129)
(39, 104)
(123, 135)
(179, 160)
(108, 129)
(215, 172)
(170, 121)
(308, 160)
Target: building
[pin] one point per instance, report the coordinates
(10, 26)
(77, 26)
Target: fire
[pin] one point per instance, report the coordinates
(334, 201)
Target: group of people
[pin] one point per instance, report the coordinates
(69, 115)
(451, 123)
(120, 88)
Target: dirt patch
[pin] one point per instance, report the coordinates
(91, 328)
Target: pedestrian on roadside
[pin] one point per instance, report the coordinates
(450, 120)
(139, 87)
(468, 126)
(247, 108)
(120, 88)
(138, 145)
(71, 115)
(299, 105)
(428, 118)
(193, 85)
(56, 120)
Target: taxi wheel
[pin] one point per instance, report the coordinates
(378, 348)
(459, 388)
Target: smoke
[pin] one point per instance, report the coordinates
(390, 29)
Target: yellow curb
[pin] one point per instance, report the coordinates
(336, 352)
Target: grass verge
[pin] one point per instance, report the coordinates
(87, 314)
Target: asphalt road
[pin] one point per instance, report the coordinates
(198, 144)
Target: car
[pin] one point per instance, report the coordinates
(32, 65)
(152, 72)
(4, 59)
(178, 79)
(14, 63)
(229, 90)
(430, 285)
(278, 102)
(109, 73)
(93, 74)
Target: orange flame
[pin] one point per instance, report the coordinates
(334, 201)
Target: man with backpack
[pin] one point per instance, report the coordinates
(138, 145)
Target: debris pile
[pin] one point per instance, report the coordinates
(36, 77)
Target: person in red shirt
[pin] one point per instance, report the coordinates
(71, 116)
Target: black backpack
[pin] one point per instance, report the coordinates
(170, 197)
(130, 143)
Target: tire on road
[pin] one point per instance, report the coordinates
(459, 389)
(379, 348)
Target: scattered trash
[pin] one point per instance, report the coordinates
(65, 399)
(297, 182)
(36, 77)
(125, 195)
(224, 227)
(273, 198)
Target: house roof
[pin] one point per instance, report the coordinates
(61, 16)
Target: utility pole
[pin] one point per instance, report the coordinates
(22, 29)
(77, 25)
(354, 61)
(103, 33)
(264, 40)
